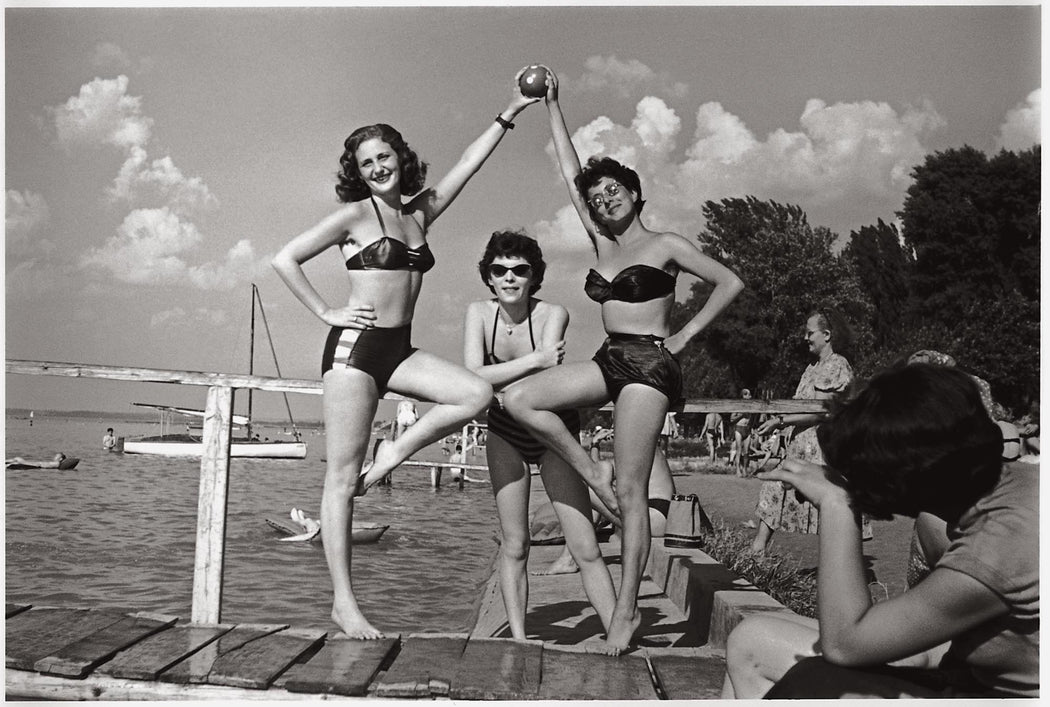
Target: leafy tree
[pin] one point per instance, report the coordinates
(882, 267)
(788, 269)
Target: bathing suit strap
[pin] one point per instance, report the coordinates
(495, 326)
(379, 216)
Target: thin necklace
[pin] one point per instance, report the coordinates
(505, 318)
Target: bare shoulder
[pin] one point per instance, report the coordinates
(546, 309)
(479, 308)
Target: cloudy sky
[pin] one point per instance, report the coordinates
(157, 158)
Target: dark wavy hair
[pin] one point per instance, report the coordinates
(598, 167)
(915, 438)
(513, 244)
(352, 188)
(841, 333)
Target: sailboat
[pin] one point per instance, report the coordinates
(190, 444)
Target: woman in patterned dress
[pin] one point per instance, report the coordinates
(780, 508)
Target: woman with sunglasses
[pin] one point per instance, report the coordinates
(634, 281)
(383, 240)
(506, 339)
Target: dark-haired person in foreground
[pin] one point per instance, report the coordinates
(381, 233)
(634, 282)
(915, 439)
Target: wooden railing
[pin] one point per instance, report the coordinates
(215, 459)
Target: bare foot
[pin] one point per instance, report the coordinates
(602, 485)
(355, 625)
(621, 630)
(373, 472)
(563, 565)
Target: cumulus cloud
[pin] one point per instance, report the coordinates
(152, 247)
(609, 75)
(141, 181)
(26, 216)
(1020, 129)
(843, 162)
(102, 114)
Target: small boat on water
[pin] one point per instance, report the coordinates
(361, 533)
(190, 443)
(19, 464)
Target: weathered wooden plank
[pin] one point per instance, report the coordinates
(150, 657)
(590, 676)
(13, 609)
(425, 666)
(79, 658)
(689, 677)
(498, 669)
(197, 667)
(343, 666)
(211, 507)
(37, 633)
(258, 663)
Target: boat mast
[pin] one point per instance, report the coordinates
(251, 361)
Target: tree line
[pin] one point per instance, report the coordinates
(960, 275)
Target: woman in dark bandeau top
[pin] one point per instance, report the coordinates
(634, 281)
(383, 240)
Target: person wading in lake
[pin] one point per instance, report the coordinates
(383, 240)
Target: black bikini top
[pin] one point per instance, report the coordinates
(637, 283)
(490, 355)
(390, 254)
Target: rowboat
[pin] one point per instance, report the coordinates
(361, 532)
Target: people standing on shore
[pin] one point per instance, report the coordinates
(739, 452)
(778, 507)
(506, 339)
(634, 282)
(383, 239)
(712, 433)
(916, 439)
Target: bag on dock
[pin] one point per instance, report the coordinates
(686, 522)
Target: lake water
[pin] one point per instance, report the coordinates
(119, 530)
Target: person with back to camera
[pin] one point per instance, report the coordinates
(506, 339)
(915, 439)
(826, 334)
(636, 367)
(383, 239)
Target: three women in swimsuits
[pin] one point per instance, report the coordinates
(636, 367)
(369, 350)
(507, 338)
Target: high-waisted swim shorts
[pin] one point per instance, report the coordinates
(377, 352)
(639, 358)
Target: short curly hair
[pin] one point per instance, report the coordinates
(915, 438)
(841, 333)
(513, 244)
(598, 167)
(352, 188)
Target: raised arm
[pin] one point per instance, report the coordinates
(435, 200)
(727, 286)
(289, 265)
(548, 353)
(568, 159)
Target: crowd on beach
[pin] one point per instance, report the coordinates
(916, 439)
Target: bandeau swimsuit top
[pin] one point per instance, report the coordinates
(637, 283)
(390, 254)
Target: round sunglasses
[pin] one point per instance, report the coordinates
(523, 270)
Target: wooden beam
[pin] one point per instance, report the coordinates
(211, 507)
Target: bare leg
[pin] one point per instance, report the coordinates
(510, 485)
(762, 538)
(639, 415)
(532, 400)
(460, 396)
(349, 403)
(762, 648)
(571, 503)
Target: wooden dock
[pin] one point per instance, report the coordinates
(104, 654)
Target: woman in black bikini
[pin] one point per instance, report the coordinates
(636, 367)
(506, 339)
(369, 350)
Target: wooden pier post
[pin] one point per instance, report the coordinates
(211, 507)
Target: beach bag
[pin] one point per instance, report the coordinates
(686, 522)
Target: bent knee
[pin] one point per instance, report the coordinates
(515, 549)
(477, 395)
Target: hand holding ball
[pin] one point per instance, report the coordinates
(533, 82)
